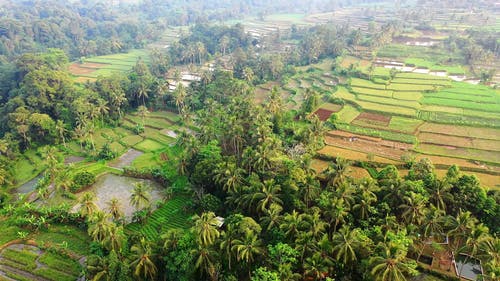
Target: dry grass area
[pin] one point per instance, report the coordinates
(352, 154)
(367, 147)
(348, 60)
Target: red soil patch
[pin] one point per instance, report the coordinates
(78, 70)
(323, 114)
(379, 118)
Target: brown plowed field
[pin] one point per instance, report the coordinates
(375, 118)
(323, 114)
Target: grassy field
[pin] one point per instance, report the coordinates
(372, 92)
(347, 114)
(356, 82)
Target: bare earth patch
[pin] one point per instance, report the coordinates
(323, 114)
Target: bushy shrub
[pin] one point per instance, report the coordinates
(82, 180)
(138, 129)
(106, 153)
(210, 203)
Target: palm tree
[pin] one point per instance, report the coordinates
(205, 260)
(346, 242)
(140, 195)
(310, 192)
(114, 208)
(316, 224)
(364, 204)
(317, 128)
(230, 176)
(114, 238)
(345, 191)
(491, 250)
(88, 207)
(142, 260)
(201, 50)
(64, 181)
(475, 242)
(248, 74)
(142, 92)
(103, 109)
(268, 195)
(292, 223)
(316, 267)
(118, 100)
(52, 162)
(337, 172)
(336, 213)
(414, 208)
(305, 243)
(272, 216)
(433, 222)
(143, 112)
(171, 239)
(206, 228)
(98, 226)
(439, 192)
(228, 237)
(224, 43)
(61, 130)
(461, 226)
(390, 265)
(180, 95)
(262, 157)
(248, 248)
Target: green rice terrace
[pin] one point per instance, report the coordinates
(395, 114)
(88, 69)
(39, 255)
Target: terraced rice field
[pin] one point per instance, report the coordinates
(441, 117)
(171, 215)
(27, 262)
(91, 68)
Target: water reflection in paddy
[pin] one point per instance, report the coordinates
(112, 186)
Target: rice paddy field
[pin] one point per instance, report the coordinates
(91, 68)
(408, 113)
(170, 215)
(30, 259)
